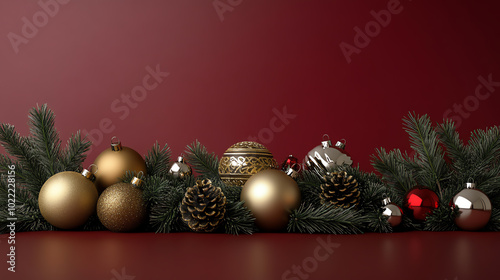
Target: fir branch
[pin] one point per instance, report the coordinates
(158, 159)
(441, 219)
(202, 161)
(165, 215)
(45, 139)
(394, 172)
(378, 222)
(74, 154)
(455, 148)
(238, 219)
(425, 143)
(494, 223)
(326, 219)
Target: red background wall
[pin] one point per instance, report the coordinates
(230, 71)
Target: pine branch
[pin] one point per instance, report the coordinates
(158, 159)
(494, 223)
(165, 215)
(455, 148)
(441, 219)
(73, 155)
(45, 139)
(326, 219)
(238, 219)
(425, 143)
(202, 161)
(394, 172)
(378, 222)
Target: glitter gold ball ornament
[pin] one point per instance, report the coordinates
(114, 162)
(474, 208)
(67, 199)
(325, 157)
(243, 160)
(271, 195)
(392, 211)
(121, 206)
(180, 169)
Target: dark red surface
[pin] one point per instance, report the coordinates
(99, 255)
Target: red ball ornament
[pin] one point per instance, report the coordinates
(290, 161)
(420, 201)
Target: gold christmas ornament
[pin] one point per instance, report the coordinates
(67, 199)
(121, 206)
(180, 169)
(243, 160)
(271, 195)
(114, 162)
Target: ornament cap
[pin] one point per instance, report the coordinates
(326, 143)
(340, 144)
(116, 145)
(469, 185)
(180, 159)
(89, 175)
(386, 201)
(137, 182)
(291, 172)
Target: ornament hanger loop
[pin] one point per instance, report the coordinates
(295, 164)
(326, 137)
(95, 168)
(115, 140)
(140, 175)
(470, 180)
(115, 144)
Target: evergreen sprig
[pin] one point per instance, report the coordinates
(326, 219)
(238, 219)
(202, 161)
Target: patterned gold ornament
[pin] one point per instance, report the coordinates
(121, 206)
(243, 160)
(271, 195)
(67, 199)
(114, 162)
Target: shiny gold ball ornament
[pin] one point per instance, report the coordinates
(271, 195)
(474, 208)
(114, 162)
(243, 160)
(121, 206)
(67, 199)
(180, 169)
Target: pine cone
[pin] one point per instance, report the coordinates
(340, 190)
(203, 206)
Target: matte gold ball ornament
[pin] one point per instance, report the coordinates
(271, 195)
(67, 199)
(121, 206)
(242, 160)
(114, 163)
